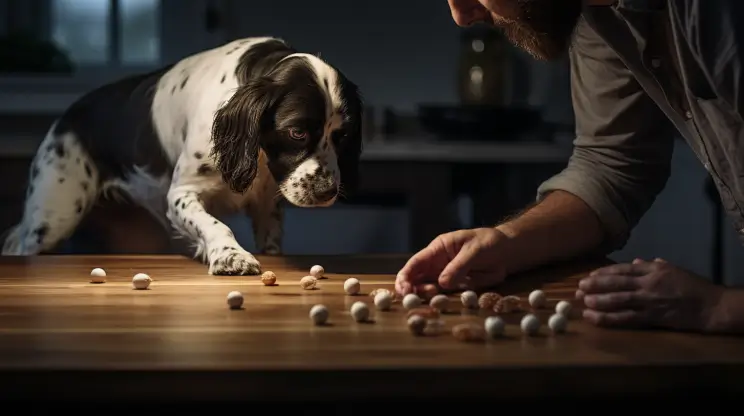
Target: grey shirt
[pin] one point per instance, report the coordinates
(640, 70)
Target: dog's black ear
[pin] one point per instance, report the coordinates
(350, 149)
(236, 133)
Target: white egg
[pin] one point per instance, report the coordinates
(317, 271)
(494, 326)
(352, 286)
(469, 299)
(359, 311)
(439, 302)
(98, 275)
(563, 308)
(411, 301)
(537, 299)
(141, 281)
(530, 324)
(235, 299)
(383, 301)
(558, 323)
(98, 272)
(319, 314)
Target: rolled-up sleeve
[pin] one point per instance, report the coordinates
(624, 143)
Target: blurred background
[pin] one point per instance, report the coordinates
(461, 127)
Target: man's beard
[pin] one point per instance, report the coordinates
(545, 27)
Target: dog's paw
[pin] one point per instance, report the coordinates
(230, 261)
(12, 242)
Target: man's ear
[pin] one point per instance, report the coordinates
(236, 133)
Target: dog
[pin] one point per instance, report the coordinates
(237, 128)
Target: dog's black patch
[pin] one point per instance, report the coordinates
(41, 231)
(113, 125)
(204, 169)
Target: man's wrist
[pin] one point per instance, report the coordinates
(510, 257)
(506, 229)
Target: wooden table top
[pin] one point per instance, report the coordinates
(179, 337)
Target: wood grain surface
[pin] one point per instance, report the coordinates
(178, 339)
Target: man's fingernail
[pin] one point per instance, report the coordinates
(449, 282)
(583, 283)
(444, 280)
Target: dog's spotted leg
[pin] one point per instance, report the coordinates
(63, 184)
(214, 241)
(268, 228)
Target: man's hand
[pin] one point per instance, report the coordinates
(648, 294)
(464, 259)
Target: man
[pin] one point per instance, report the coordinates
(640, 70)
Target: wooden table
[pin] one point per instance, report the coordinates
(62, 337)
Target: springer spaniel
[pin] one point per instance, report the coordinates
(238, 127)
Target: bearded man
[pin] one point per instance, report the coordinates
(641, 72)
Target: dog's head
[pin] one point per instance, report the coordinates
(306, 117)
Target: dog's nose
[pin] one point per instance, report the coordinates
(325, 194)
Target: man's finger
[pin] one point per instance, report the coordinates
(617, 319)
(604, 283)
(616, 301)
(634, 269)
(456, 270)
(426, 291)
(415, 270)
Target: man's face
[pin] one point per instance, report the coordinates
(541, 27)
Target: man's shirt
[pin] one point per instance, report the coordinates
(643, 71)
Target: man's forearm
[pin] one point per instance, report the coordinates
(561, 226)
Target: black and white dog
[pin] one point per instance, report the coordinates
(231, 129)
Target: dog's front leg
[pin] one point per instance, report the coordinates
(214, 240)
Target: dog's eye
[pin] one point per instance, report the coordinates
(297, 134)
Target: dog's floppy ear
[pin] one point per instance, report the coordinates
(236, 132)
(350, 150)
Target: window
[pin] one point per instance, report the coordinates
(111, 33)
